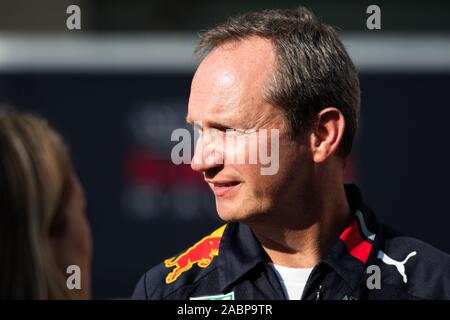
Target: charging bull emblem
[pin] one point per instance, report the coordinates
(202, 253)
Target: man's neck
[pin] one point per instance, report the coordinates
(303, 245)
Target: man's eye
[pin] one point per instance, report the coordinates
(239, 132)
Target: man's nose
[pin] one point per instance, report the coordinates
(207, 155)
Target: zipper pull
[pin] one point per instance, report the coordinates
(319, 293)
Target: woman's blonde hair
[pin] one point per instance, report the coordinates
(35, 181)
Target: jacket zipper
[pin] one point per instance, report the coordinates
(319, 293)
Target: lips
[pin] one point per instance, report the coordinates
(222, 188)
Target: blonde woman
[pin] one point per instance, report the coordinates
(43, 226)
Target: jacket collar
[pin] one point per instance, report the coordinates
(240, 251)
(357, 245)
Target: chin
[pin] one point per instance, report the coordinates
(235, 213)
(228, 216)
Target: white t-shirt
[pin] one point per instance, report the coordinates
(293, 280)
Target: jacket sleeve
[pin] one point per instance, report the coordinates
(140, 292)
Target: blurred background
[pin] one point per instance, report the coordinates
(118, 87)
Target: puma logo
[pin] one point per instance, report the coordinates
(400, 265)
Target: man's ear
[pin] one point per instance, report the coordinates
(327, 133)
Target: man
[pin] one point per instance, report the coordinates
(298, 233)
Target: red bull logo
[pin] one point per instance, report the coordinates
(202, 254)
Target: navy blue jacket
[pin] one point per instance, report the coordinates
(231, 264)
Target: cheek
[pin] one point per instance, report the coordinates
(257, 186)
(240, 150)
(78, 239)
(84, 237)
(74, 247)
(287, 176)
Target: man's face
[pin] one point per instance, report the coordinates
(227, 92)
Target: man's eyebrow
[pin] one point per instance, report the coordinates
(209, 123)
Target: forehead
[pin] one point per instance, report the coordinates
(231, 80)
